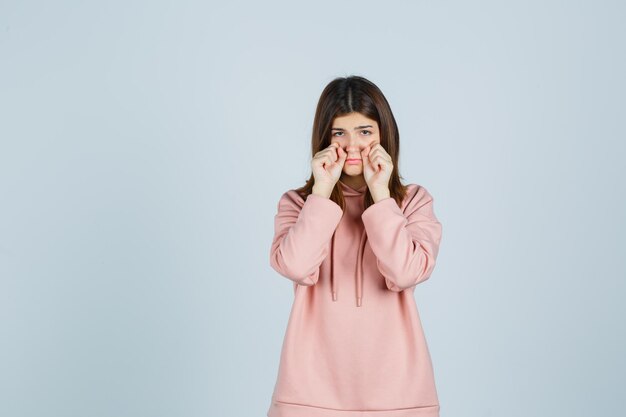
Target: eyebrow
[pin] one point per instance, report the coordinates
(356, 128)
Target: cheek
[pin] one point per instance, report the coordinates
(370, 141)
(373, 140)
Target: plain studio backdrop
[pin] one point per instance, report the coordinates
(144, 147)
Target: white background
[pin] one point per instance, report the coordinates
(144, 146)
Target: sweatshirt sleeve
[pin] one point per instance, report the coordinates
(302, 234)
(405, 242)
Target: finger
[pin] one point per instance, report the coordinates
(342, 154)
(323, 158)
(335, 152)
(379, 149)
(379, 161)
(332, 150)
(326, 155)
(329, 148)
(380, 153)
(368, 155)
(329, 160)
(374, 154)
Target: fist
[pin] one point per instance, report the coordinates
(327, 165)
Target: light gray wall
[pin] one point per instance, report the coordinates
(144, 146)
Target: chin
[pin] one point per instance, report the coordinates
(353, 171)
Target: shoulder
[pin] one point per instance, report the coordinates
(291, 203)
(416, 197)
(291, 199)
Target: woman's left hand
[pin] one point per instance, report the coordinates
(377, 168)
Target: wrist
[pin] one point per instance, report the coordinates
(322, 191)
(380, 194)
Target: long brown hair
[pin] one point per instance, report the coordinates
(345, 95)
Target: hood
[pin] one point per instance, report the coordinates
(349, 192)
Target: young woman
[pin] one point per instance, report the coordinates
(355, 242)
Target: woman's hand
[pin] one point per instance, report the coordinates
(377, 168)
(327, 165)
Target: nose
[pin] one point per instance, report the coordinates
(354, 145)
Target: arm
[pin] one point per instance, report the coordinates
(405, 242)
(302, 233)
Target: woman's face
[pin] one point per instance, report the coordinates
(354, 132)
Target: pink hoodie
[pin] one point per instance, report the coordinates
(354, 345)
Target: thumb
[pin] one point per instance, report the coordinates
(365, 155)
(342, 154)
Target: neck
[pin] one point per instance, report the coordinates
(355, 182)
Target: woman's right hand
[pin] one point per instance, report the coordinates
(327, 166)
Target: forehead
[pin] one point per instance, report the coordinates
(353, 120)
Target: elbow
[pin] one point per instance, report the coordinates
(400, 283)
(291, 270)
(404, 278)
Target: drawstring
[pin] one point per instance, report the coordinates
(359, 269)
(333, 282)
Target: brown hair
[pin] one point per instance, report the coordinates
(345, 95)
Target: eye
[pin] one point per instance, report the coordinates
(368, 131)
(335, 134)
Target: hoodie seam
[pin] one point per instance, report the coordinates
(358, 411)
